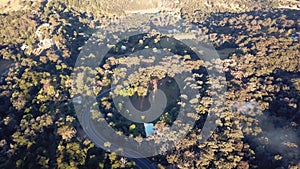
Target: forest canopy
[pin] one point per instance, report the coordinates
(258, 47)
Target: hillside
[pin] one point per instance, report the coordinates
(188, 7)
(217, 82)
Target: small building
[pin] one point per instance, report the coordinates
(149, 129)
(295, 38)
(45, 43)
(24, 46)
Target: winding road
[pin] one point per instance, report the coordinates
(95, 136)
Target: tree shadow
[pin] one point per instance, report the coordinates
(280, 136)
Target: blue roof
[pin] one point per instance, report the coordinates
(149, 128)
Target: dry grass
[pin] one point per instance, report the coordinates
(10, 5)
(290, 4)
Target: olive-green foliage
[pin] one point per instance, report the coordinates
(37, 122)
